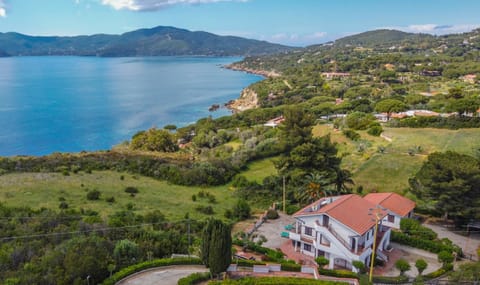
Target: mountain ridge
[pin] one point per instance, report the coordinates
(157, 41)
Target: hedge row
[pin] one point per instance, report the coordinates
(439, 272)
(338, 273)
(274, 281)
(390, 279)
(452, 123)
(247, 262)
(272, 255)
(290, 267)
(149, 264)
(428, 245)
(194, 278)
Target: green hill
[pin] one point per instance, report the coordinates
(158, 41)
(380, 37)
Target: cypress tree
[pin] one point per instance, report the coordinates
(217, 246)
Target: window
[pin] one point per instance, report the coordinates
(391, 218)
(308, 231)
(307, 247)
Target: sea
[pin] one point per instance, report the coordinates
(72, 104)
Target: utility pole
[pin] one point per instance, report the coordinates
(284, 196)
(377, 213)
(188, 234)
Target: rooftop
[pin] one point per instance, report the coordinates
(392, 201)
(351, 210)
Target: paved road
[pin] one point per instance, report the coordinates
(168, 275)
(468, 244)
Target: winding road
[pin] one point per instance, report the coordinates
(168, 275)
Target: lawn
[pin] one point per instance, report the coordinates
(38, 190)
(390, 171)
(260, 169)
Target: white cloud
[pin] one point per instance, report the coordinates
(436, 29)
(297, 39)
(3, 10)
(151, 5)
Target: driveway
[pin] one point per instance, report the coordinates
(168, 275)
(272, 229)
(469, 244)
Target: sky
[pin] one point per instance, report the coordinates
(290, 22)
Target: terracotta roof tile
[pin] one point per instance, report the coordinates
(351, 210)
(392, 201)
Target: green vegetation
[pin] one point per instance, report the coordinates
(166, 41)
(216, 247)
(43, 190)
(274, 281)
(451, 182)
(148, 264)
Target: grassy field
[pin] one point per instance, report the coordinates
(38, 190)
(390, 171)
(260, 169)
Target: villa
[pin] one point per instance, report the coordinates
(342, 228)
(398, 207)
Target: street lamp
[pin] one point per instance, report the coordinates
(377, 213)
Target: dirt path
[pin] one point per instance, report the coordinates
(168, 275)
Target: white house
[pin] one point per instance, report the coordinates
(341, 229)
(398, 207)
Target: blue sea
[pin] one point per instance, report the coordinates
(70, 104)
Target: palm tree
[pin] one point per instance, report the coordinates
(315, 186)
(342, 181)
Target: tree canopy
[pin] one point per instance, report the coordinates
(452, 182)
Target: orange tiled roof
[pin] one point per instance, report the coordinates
(350, 210)
(392, 201)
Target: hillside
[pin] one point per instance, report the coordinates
(381, 37)
(157, 41)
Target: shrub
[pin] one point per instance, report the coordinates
(322, 261)
(421, 265)
(390, 279)
(375, 131)
(272, 214)
(131, 190)
(291, 209)
(445, 257)
(194, 278)
(110, 199)
(428, 245)
(207, 210)
(338, 273)
(291, 267)
(241, 210)
(93, 195)
(359, 266)
(149, 264)
(402, 265)
(228, 214)
(354, 136)
(194, 197)
(439, 272)
(63, 205)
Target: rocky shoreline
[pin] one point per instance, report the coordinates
(264, 73)
(248, 98)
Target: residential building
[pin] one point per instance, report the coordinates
(341, 228)
(398, 207)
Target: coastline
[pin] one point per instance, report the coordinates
(248, 97)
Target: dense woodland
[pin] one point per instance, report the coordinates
(389, 72)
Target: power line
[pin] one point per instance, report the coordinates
(85, 231)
